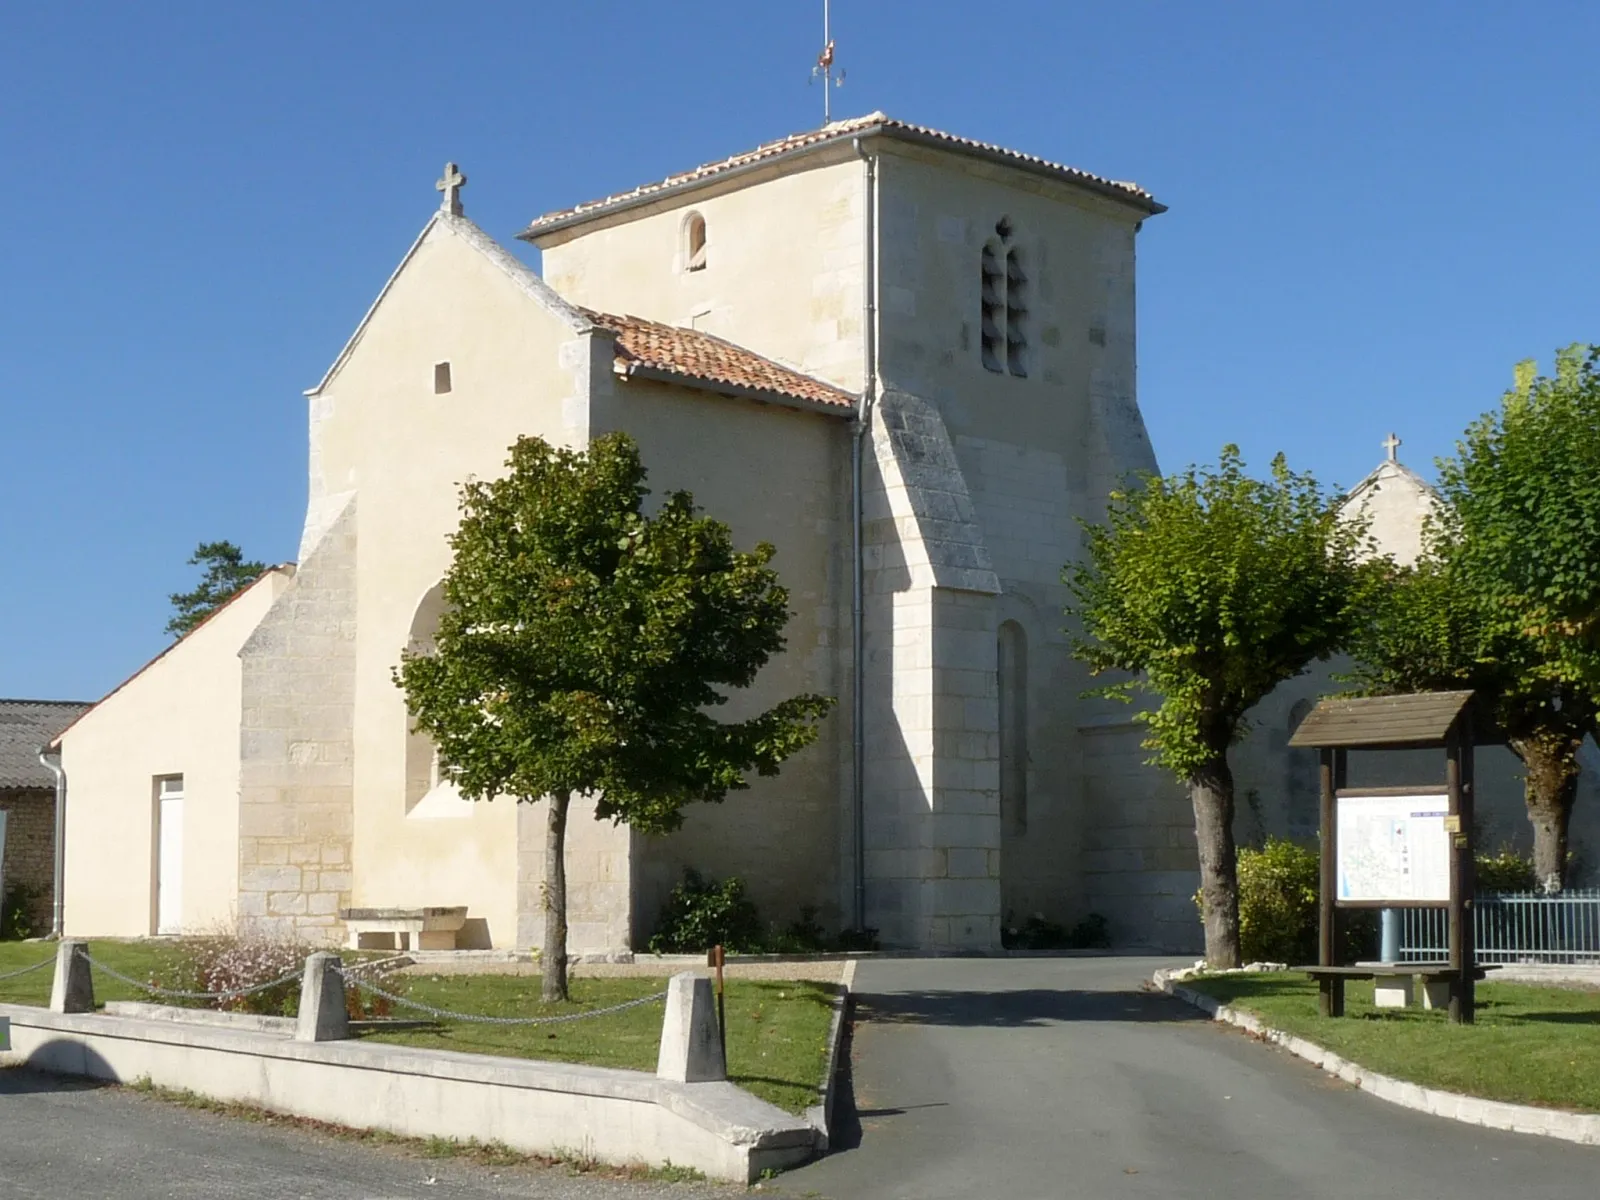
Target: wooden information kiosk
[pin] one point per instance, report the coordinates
(1395, 847)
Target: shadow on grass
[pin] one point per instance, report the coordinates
(1025, 1008)
(1553, 1018)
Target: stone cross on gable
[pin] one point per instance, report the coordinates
(451, 186)
(1391, 444)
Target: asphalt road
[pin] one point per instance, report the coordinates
(65, 1140)
(973, 1078)
(1060, 1078)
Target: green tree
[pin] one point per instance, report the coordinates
(1211, 588)
(584, 645)
(226, 575)
(1506, 599)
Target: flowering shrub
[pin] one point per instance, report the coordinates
(227, 962)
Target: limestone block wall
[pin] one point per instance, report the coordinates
(30, 848)
(1140, 866)
(932, 809)
(599, 863)
(296, 752)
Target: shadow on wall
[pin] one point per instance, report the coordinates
(1034, 1007)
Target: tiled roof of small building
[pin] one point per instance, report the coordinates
(25, 726)
(650, 347)
(836, 131)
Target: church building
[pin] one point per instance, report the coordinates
(906, 359)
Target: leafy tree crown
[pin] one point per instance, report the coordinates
(1211, 587)
(584, 643)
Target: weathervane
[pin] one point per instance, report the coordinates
(824, 67)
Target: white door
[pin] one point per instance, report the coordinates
(169, 859)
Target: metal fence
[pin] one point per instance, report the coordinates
(1512, 927)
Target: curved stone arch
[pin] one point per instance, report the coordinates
(693, 234)
(426, 793)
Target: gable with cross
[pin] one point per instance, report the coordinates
(451, 186)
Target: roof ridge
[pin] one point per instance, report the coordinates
(806, 140)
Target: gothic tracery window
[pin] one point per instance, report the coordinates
(1004, 307)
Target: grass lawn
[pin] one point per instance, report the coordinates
(777, 1031)
(1530, 1045)
(141, 960)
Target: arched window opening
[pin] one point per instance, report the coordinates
(694, 243)
(1012, 661)
(993, 309)
(1003, 300)
(428, 793)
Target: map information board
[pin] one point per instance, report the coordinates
(1393, 848)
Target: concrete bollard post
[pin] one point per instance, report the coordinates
(323, 1016)
(691, 1045)
(73, 989)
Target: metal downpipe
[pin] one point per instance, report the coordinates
(858, 431)
(52, 763)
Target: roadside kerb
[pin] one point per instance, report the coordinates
(820, 1115)
(1583, 1128)
(534, 1107)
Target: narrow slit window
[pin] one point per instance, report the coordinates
(694, 243)
(992, 305)
(441, 378)
(1003, 304)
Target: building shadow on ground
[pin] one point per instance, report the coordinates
(1019, 1009)
(22, 1081)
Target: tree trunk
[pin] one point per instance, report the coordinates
(1211, 791)
(1550, 787)
(554, 954)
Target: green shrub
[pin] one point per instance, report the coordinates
(701, 913)
(1278, 886)
(1506, 871)
(16, 912)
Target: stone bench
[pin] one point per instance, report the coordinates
(403, 928)
(1391, 983)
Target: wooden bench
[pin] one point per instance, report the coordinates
(1438, 979)
(403, 928)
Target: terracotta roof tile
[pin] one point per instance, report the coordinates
(837, 131)
(691, 354)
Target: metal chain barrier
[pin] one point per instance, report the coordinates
(177, 994)
(36, 966)
(446, 1015)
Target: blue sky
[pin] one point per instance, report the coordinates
(1376, 209)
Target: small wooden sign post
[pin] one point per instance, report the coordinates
(1404, 847)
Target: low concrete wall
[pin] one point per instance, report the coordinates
(615, 1116)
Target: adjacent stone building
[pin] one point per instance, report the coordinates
(28, 798)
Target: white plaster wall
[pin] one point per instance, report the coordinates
(778, 475)
(1396, 503)
(783, 264)
(178, 716)
(380, 431)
